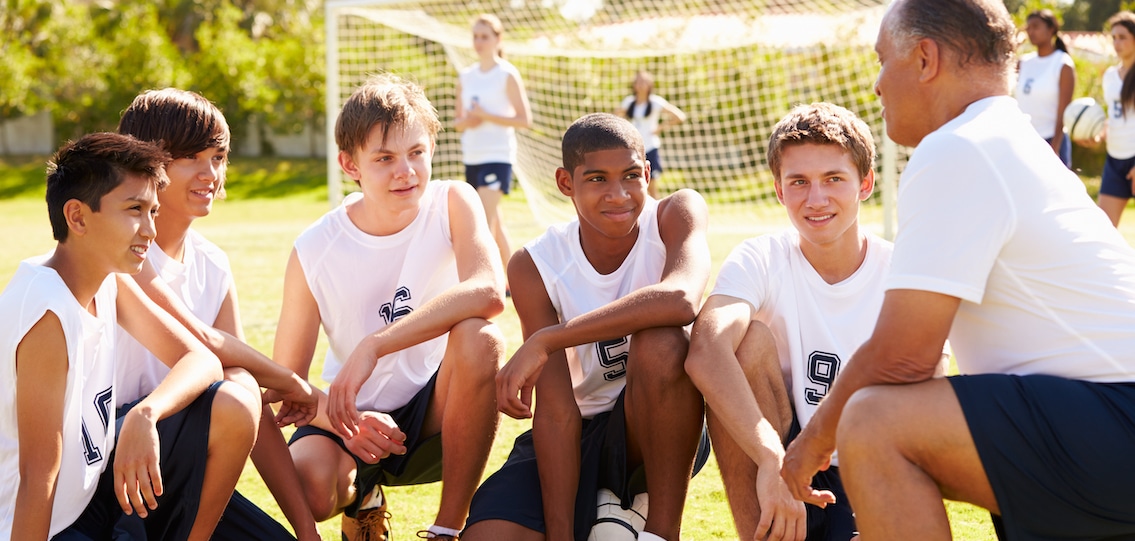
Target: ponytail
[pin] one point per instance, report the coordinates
(1060, 46)
(646, 113)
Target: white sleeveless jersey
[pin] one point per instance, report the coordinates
(1120, 129)
(489, 142)
(817, 326)
(363, 283)
(1038, 88)
(598, 369)
(647, 125)
(88, 408)
(202, 282)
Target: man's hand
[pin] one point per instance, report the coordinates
(516, 380)
(299, 404)
(783, 518)
(137, 472)
(378, 437)
(805, 456)
(341, 410)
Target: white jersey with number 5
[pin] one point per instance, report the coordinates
(88, 403)
(598, 369)
(816, 325)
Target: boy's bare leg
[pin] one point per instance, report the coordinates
(665, 439)
(232, 432)
(271, 457)
(758, 358)
(326, 473)
(465, 384)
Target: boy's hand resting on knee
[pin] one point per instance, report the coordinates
(377, 437)
(783, 517)
(341, 410)
(516, 380)
(137, 473)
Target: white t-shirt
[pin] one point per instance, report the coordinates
(647, 124)
(988, 214)
(363, 283)
(88, 407)
(598, 369)
(1120, 129)
(1038, 88)
(817, 326)
(202, 281)
(489, 142)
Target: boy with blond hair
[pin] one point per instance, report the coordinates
(403, 278)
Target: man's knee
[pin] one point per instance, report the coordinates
(865, 421)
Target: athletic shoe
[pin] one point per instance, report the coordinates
(373, 520)
(426, 534)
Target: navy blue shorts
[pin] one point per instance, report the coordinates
(655, 161)
(421, 463)
(1065, 149)
(836, 522)
(184, 438)
(1115, 182)
(1057, 453)
(513, 492)
(490, 175)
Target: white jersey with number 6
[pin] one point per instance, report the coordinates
(598, 369)
(88, 405)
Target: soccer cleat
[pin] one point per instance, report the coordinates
(426, 534)
(373, 520)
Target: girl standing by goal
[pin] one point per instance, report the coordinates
(1119, 95)
(1045, 81)
(644, 109)
(491, 104)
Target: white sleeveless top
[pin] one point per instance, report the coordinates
(1120, 129)
(88, 408)
(202, 281)
(647, 125)
(489, 142)
(363, 283)
(1038, 88)
(598, 369)
(817, 326)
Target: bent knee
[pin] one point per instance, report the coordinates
(235, 413)
(867, 419)
(476, 344)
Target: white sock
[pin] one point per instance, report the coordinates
(441, 530)
(647, 536)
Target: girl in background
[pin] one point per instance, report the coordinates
(644, 109)
(1045, 81)
(1119, 95)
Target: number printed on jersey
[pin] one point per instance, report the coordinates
(822, 370)
(613, 355)
(102, 402)
(396, 309)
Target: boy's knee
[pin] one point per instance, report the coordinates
(236, 412)
(757, 351)
(665, 347)
(246, 381)
(479, 345)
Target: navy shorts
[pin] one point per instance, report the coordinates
(836, 522)
(490, 175)
(421, 463)
(1065, 149)
(184, 438)
(1115, 182)
(513, 492)
(1057, 453)
(655, 161)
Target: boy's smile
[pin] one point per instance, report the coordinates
(608, 190)
(821, 189)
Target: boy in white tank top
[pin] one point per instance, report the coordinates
(602, 301)
(64, 472)
(403, 280)
(787, 310)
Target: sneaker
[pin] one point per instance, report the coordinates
(426, 534)
(373, 520)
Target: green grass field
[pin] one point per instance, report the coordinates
(270, 202)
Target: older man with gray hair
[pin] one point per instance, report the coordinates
(1001, 249)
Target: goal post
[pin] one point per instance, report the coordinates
(734, 67)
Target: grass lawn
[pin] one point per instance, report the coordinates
(271, 201)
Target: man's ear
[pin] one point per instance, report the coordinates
(929, 56)
(75, 212)
(563, 181)
(347, 163)
(779, 190)
(867, 185)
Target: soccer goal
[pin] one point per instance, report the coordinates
(734, 66)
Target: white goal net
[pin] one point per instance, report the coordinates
(735, 67)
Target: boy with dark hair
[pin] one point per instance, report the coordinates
(189, 277)
(403, 278)
(788, 309)
(602, 302)
(58, 428)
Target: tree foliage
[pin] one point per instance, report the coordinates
(85, 61)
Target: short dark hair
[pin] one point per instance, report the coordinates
(93, 166)
(823, 124)
(383, 100)
(183, 123)
(978, 31)
(598, 131)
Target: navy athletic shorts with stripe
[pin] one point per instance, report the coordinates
(421, 463)
(491, 175)
(1058, 453)
(1114, 181)
(513, 492)
(184, 438)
